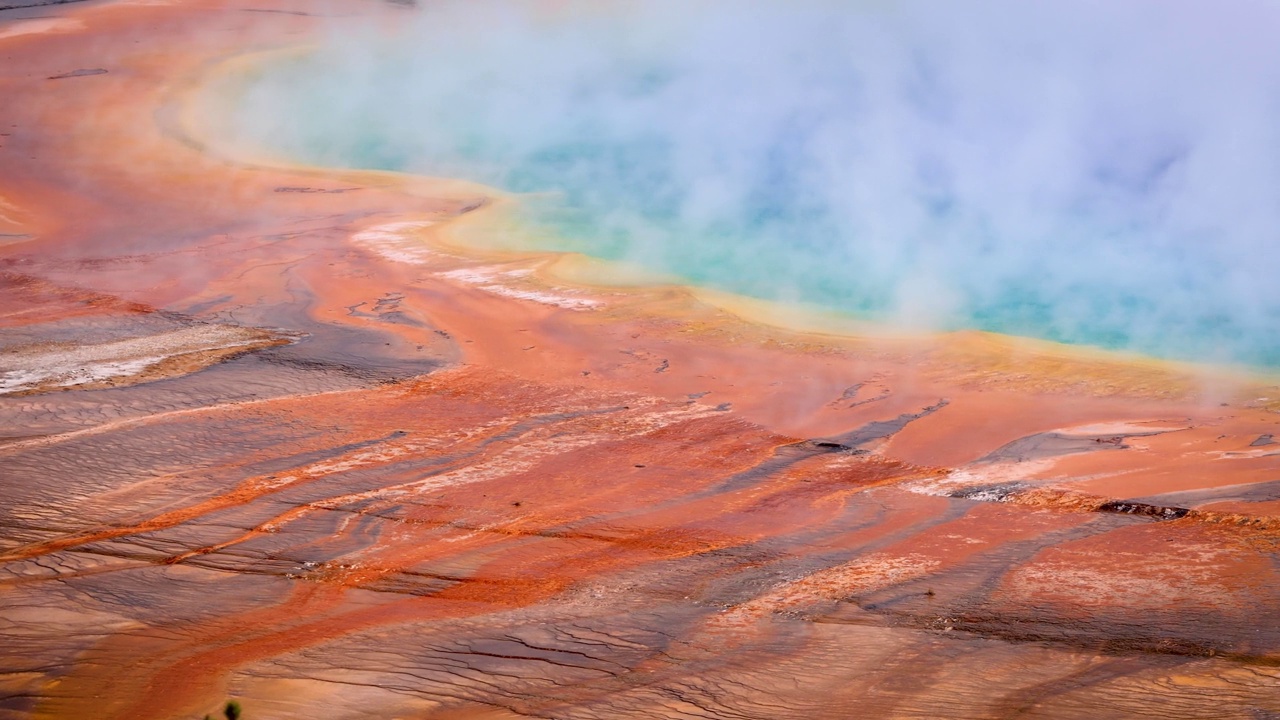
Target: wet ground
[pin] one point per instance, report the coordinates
(307, 454)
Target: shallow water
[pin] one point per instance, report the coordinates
(1087, 174)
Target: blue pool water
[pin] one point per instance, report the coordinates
(1093, 173)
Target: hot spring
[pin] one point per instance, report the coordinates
(1090, 172)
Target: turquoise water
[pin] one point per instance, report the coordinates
(1078, 172)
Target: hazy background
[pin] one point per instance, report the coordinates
(1102, 172)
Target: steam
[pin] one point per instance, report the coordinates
(1089, 171)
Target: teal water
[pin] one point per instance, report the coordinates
(1090, 173)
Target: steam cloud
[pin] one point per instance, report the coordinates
(1092, 171)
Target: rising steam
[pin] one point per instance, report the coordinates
(1092, 171)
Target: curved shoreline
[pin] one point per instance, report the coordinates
(472, 489)
(787, 317)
